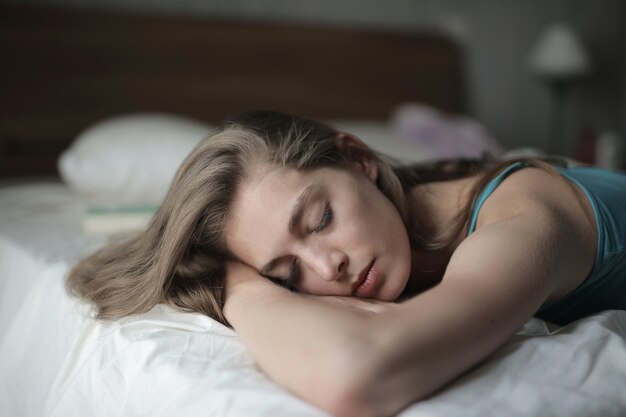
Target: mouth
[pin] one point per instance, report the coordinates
(363, 278)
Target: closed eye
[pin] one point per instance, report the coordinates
(327, 216)
(291, 280)
(294, 274)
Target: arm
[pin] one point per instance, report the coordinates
(303, 343)
(354, 364)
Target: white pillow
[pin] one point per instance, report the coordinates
(381, 137)
(130, 159)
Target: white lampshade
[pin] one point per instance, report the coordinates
(558, 53)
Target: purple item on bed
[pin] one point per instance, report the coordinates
(445, 137)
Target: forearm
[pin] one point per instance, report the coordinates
(355, 363)
(429, 343)
(350, 362)
(442, 333)
(489, 291)
(304, 344)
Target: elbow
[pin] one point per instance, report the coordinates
(359, 399)
(345, 401)
(350, 389)
(368, 379)
(365, 398)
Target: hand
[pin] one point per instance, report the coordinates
(368, 305)
(238, 274)
(243, 285)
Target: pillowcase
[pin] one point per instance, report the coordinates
(130, 159)
(381, 137)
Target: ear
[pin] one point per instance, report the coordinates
(362, 155)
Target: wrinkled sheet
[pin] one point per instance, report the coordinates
(56, 361)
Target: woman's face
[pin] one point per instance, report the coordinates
(324, 232)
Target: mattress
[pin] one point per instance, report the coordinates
(55, 360)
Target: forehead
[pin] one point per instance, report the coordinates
(258, 220)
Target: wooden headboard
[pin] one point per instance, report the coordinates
(63, 70)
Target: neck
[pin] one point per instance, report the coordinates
(438, 203)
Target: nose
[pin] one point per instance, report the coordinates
(328, 265)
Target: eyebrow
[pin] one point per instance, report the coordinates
(294, 218)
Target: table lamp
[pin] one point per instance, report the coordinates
(559, 58)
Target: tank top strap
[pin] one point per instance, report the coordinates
(492, 185)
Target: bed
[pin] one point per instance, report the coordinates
(57, 361)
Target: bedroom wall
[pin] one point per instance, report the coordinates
(496, 35)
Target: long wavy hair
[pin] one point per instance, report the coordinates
(179, 259)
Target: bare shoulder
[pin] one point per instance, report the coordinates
(535, 187)
(541, 219)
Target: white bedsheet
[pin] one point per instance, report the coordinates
(55, 361)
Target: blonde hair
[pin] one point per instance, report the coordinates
(179, 259)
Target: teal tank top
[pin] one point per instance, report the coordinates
(605, 286)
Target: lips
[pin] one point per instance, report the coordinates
(362, 277)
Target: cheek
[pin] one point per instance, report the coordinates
(316, 286)
(371, 217)
(379, 227)
(385, 219)
(396, 243)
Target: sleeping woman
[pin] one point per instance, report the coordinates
(358, 285)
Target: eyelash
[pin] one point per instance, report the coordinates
(327, 216)
(290, 282)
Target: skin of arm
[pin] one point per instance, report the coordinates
(305, 344)
(353, 363)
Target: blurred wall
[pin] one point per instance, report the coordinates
(496, 35)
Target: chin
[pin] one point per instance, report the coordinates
(397, 293)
